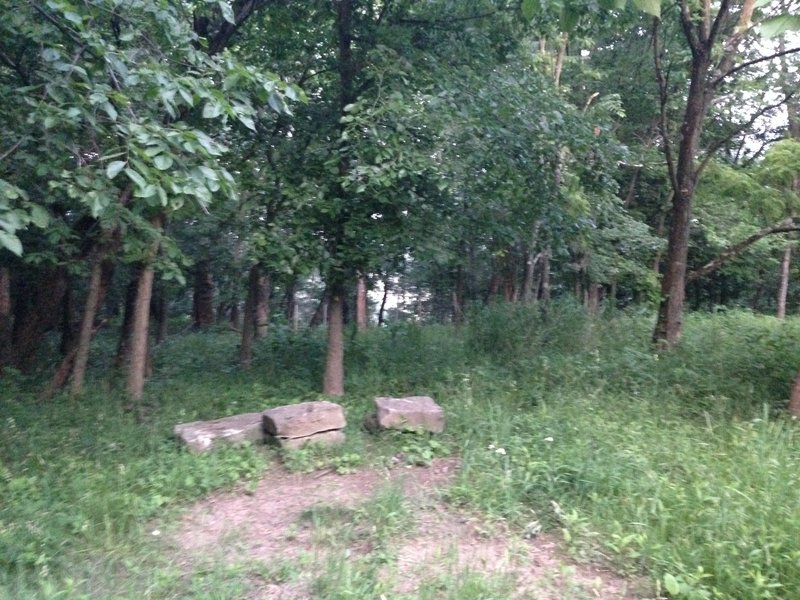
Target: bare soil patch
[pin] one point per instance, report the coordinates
(274, 525)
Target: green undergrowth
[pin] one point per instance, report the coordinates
(679, 466)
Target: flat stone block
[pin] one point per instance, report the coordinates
(325, 438)
(201, 436)
(412, 412)
(304, 419)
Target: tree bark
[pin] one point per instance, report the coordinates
(123, 345)
(783, 290)
(139, 352)
(333, 381)
(203, 297)
(263, 291)
(794, 399)
(6, 317)
(93, 300)
(382, 310)
(320, 316)
(362, 318)
(249, 320)
(544, 283)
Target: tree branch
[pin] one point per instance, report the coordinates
(712, 149)
(663, 100)
(750, 63)
(733, 251)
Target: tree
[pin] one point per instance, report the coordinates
(714, 35)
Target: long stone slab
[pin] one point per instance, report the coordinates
(411, 412)
(200, 436)
(304, 419)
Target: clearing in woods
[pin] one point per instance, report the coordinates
(379, 534)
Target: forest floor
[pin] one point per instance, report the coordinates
(386, 533)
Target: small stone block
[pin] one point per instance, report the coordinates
(412, 412)
(304, 419)
(200, 436)
(325, 438)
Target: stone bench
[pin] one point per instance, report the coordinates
(291, 426)
(201, 436)
(412, 413)
(295, 425)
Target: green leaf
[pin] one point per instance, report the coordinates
(775, 26)
(671, 584)
(529, 8)
(227, 12)
(39, 216)
(163, 162)
(135, 177)
(114, 167)
(211, 110)
(650, 7)
(11, 243)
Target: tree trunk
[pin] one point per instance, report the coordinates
(592, 298)
(203, 297)
(139, 351)
(320, 316)
(249, 321)
(794, 399)
(333, 382)
(235, 316)
(6, 317)
(362, 318)
(784, 287)
(290, 304)
(382, 311)
(544, 283)
(263, 291)
(123, 345)
(93, 300)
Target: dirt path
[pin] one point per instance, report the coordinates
(306, 530)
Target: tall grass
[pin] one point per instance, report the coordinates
(680, 466)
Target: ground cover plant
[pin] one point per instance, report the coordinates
(679, 468)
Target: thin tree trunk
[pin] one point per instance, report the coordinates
(203, 297)
(362, 318)
(794, 399)
(320, 316)
(139, 354)
(249, 321)
(235, 316)
(382, 311)
(6, 317)
(93, 299)
(333, 382)
(263, 292)
(123, 345)
(783, 291)
(290, 303)
(544, 284)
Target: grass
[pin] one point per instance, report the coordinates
(677, 466)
